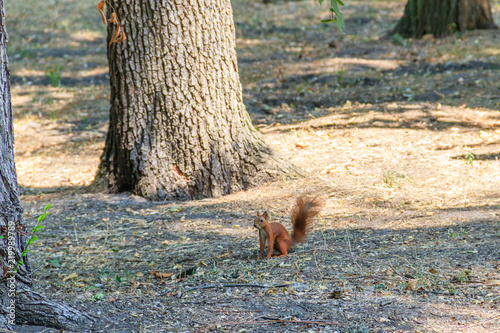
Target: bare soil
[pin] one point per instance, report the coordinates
(401, 139)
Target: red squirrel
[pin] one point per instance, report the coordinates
(275, 234)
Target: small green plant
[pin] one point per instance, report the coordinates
(469, 158)
(394, 179)
(462, 276)
(98, 296)
(340, 76)
(33, 237)
(399, 40)
(54, 74)
(103, 275)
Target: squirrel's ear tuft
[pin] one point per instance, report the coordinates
(265, 214)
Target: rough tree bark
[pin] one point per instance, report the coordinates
(178, 125)
(442, 17)
(19, 304)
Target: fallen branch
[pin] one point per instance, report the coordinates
(236, 285)
(233, 323)
(437, 292)
(367, 276)
(485, 321)
(491, 284)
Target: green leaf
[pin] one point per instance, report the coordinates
(321, 1)
(55, 263)
(47, 207)
(42, 217)
(1, 237)
(98, 296)
(328, 21)
(25, 252)
(38, 228)
(340, 2)
(338, 13)
(33, 238)
(20, 262)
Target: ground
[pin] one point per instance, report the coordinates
(401, 138)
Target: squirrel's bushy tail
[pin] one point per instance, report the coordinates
(303, 212)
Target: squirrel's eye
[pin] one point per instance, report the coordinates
(261, 220)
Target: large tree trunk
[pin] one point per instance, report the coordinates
(178, 126)
(19, 304)
(442, 17)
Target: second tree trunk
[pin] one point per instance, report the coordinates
(442, 17)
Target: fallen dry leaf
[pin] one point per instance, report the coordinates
(412, 284)
(161, 275)
(69, 277)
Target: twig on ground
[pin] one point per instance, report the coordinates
(477, 285)
(236, 285)
(484, 321)
(439, 94)
(252, 322)
(316, 263)
(387, 302)
(36, 269)
(367, 276)
(350, 249)
(382, 261)
(395, 271)
(492, 318)
(437, 292)
(215, 257)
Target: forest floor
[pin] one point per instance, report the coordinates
(401, 137)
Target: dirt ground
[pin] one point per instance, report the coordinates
(401, 139)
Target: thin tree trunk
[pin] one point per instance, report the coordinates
(178, 125)
(19, 304)
(442, 17)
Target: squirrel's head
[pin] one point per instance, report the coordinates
(261, 220)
